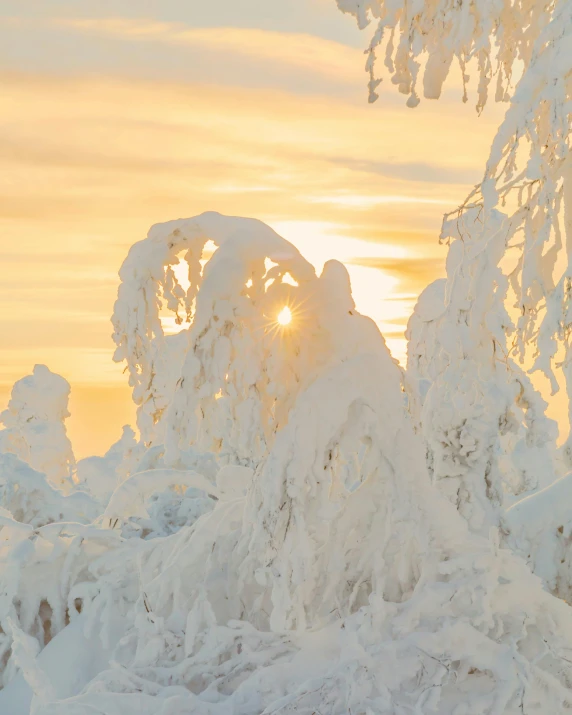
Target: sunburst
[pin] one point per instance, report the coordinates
(284, 317)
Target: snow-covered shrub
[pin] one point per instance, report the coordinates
(166, 512)
(101, 475)
(486, 433)
(425, 362)
(32, 499)
(39, 567)
(159, 502)
(39, 556)
(35, 425)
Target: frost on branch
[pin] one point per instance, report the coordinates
(34, 425)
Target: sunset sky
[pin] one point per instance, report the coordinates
(117, 115)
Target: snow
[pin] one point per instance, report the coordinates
(68, 663)
(101, 475)
(34, 424)
(302, 542)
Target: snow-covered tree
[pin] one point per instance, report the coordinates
(483, 421)
(35, 425)
(149, 283)
(262, 325)
(506, 300)
(101, 475)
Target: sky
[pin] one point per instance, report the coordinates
(118, 115)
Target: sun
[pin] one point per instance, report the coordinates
(284, 316)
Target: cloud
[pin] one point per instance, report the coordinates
(414, 170)
(79, 365)
(54, 258)
(414, 274)
(297, 50)
(363, 202)
(116, 142)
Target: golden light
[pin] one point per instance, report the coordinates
(284, 316)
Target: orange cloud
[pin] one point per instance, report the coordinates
(413, 273)
(300, 51)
